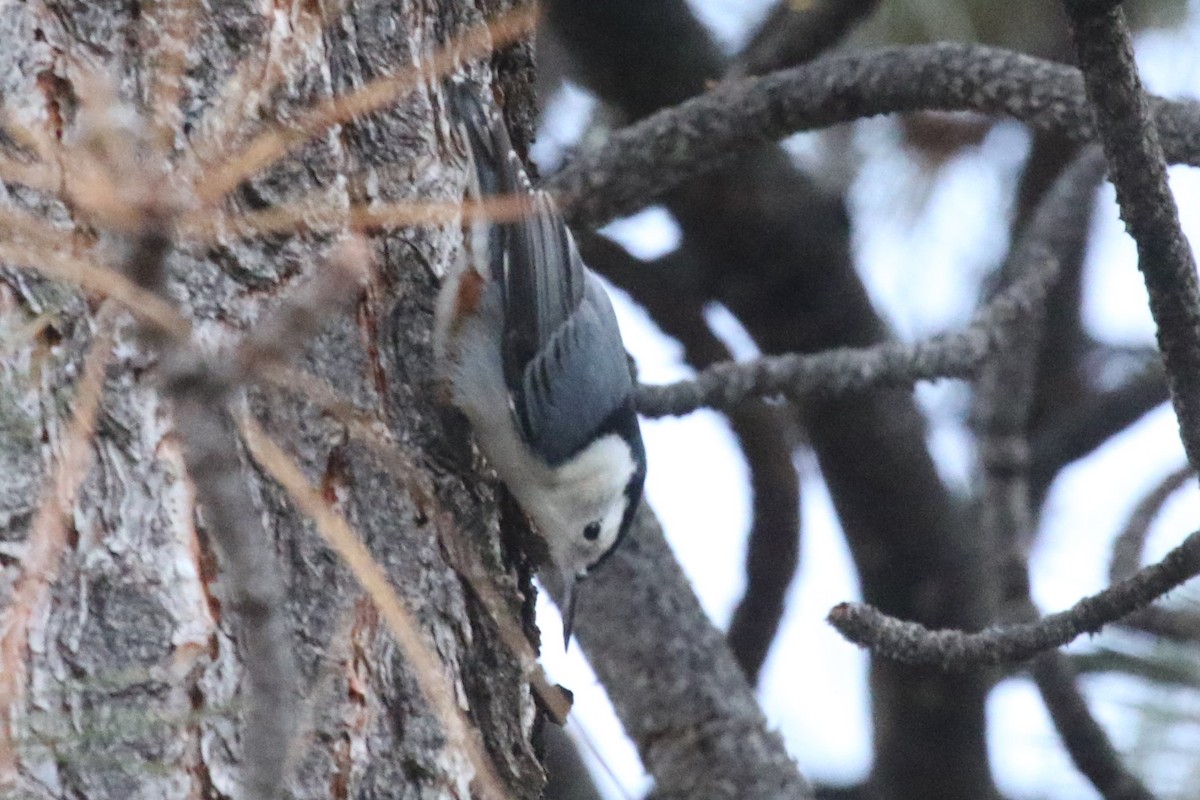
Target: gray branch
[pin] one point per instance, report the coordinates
(676, 688)
(1139, 172)
(835, 372)
(793, 33)
(911, 643)
(648, 159)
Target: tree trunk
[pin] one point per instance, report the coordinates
(133, 685)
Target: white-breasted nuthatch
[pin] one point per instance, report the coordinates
(528, 346)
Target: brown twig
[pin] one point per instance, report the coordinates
(368, 430)
(40, 247)
(207, 226)
(271, 145)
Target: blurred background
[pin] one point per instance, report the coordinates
(931, 201)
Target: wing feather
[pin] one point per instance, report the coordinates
(558, 320)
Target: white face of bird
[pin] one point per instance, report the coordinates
(581, 518)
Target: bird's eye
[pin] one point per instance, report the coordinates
(592, 531)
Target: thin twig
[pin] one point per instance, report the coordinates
(206, 225)
(273, 144)
(949, 355)
(1169, 623)
(912, 643)
(35, 176)
(1127, 547)
(368, 430)
(45, 254)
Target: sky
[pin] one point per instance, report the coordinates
(921, 261)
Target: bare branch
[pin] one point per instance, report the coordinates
(1089, 746)
(793, 33)
(691, 713)
(1005, 401)
(911, 643)
(1170, 623)
(210, 451)
(1139, 172)
(1085, 426)
(1127, 548)
(649, 158)
(199, 390)
(835, 372)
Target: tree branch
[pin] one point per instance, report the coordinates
(765, 434)
(837, 372)
(795, 290)
(1089, 746)
(1169, 623)
(695, 720)
(911, 643)
(1139, 172)
(1005, 402)
(648, 159)
(1127, 548)
(793, 33)
(1077, 431)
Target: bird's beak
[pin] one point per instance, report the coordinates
(567, 607)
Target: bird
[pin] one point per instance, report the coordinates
(527, 346)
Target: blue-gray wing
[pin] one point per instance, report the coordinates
(572, 388)
(564, 364)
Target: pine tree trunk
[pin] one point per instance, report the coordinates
(133, 685)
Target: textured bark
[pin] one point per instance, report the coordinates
(133, 682)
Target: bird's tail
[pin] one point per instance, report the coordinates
(498, 169)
